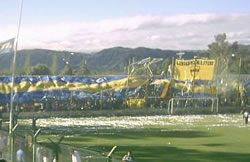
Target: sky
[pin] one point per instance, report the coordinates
(93, 25)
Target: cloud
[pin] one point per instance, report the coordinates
(187, 31)
(155, 37)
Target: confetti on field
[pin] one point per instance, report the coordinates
(219, 120)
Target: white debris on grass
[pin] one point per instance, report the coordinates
(141, 122)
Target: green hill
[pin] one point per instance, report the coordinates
(107, 60)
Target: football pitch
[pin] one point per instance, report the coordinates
(156, 138)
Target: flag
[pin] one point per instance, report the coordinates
(194, 69)
(7, 46)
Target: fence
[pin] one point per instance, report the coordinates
(23, 148)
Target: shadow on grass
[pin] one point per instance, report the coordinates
(174, 154)
(159, 153)
(141, 134)
(213, 144)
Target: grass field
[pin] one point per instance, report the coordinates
(158, 138)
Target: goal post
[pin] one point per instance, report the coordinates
(191, 103)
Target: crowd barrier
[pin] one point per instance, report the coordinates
(23, 149)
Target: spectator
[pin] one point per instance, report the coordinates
(45, 159)
(3, 141)
(128, 157)
(38, 155)
(20, 155)
(45, 156)
(246, 114)
(76, 157)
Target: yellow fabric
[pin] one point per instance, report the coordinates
(165, 90)
(194, 69)
(136, 102)
(116, 85)
(166, 84)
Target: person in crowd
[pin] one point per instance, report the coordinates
(76, 157)
(45, 156)
(45, 159)
(245, 114)
(20, 155)
(3, 142)
(128, 157)
(39, 155)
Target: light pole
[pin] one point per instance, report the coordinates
(68, 71)
(195, 70)
(173, 69)
(238, 80)
(71, 95)
(71, 55)
(67, 62)
(180, 54)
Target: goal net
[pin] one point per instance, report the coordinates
(189, 105)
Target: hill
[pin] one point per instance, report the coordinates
(107, 60)
(115, 59)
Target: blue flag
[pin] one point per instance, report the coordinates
(7, 46)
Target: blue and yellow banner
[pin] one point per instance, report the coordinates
(37, 88)
(50, 88)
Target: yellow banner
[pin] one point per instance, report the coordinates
(136, 102)
(194, 69)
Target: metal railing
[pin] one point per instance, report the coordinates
(31, 151)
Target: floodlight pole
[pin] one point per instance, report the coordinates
(13, 68)
(180, 54)
(11, 128)
(128, 75)
(194, 75)
(173, 67)
(238, 81)
(238, 86)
